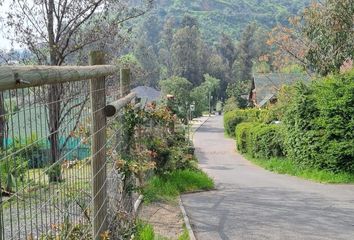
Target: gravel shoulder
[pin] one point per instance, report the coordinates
(166, 218)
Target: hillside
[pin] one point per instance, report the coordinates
(230, 16)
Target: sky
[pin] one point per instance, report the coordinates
(4, 43)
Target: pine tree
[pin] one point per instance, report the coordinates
(186, 57)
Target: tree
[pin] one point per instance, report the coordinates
(227, 49)
(167, 33)
(149, 61)
(219, 69)
(211, 84)
(186, 54)
(202, 94)
(165, 57)
(131, 62)
(320, 38)
(151, 31)
(189, 21)
(180, 88)
(236, 93)
(242, 68)
(216, 67)
(55, 29)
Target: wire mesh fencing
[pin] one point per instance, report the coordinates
(57, 159)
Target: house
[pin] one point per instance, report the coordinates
(147, 94)
(266, 86)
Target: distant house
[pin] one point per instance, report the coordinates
(266, 86)
(147, 94)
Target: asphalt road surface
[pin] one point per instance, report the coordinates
(254, 204)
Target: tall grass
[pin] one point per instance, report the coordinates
(172, 185)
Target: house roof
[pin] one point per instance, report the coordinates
(148, 94)
(266, 86)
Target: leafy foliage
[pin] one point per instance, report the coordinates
(319, 124)
(186, 54)
(180, 88)
(320, 38)
(260, 140)
(12, 172)
(201, 94)
(316, 130)
(230, 17)
(235, 117)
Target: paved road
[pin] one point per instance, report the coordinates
(253, 204)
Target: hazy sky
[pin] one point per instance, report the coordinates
(4, 43)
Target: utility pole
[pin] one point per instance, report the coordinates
(210, 98)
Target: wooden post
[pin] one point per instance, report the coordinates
(125, 147)
(12, 77)
(124, 82)
(98, 150)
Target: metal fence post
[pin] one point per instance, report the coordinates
(98, 149)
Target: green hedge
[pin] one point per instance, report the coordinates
(242, 134)
(235, 117)
(260, 140)
(319, 124)
(267, 141)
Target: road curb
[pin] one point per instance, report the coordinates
(138, 203)
(186, 220)
(201, 125)
(183, 210)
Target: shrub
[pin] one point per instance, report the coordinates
(170, 153)
(242, 134)
(230, 105)
(319, 124)
(12, 171)
(231, 120)
(235, 117)
(260, 140)
(267, 141)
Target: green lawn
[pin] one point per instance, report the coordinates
(286, 166)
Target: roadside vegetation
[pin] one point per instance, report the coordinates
(166, 166)
(286, 166)
(146, 231)
(306, 128)
(307, 133)
(202, 55)
(170, 186)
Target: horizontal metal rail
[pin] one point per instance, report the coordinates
(12, 77)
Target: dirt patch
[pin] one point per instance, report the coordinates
(166, 218)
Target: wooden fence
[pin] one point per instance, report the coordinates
(42, 108)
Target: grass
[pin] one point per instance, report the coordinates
(167, 188)
(286, 166)
(146, 231)
(185, 235)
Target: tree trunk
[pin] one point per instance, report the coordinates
(2, 121)
(54, 97)
(54, 116)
